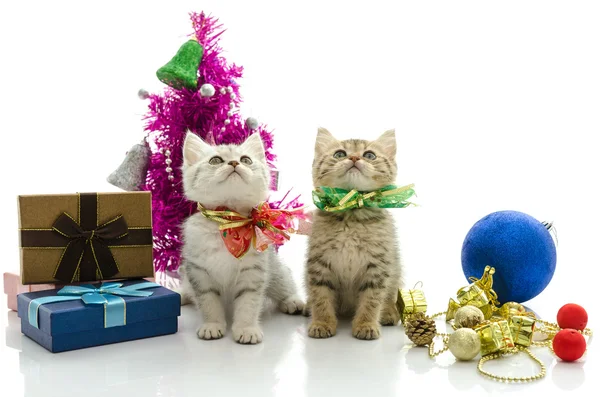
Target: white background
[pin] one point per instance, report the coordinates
(495, 105)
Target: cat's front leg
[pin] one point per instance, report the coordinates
(206, 294)
(249, 292)
(322, 292)
(371, 292)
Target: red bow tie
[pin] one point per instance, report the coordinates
(264, 227)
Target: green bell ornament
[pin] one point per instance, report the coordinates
(182, 70)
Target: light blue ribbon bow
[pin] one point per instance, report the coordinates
(115, 311)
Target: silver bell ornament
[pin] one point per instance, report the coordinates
(131, 174)
(143, 94)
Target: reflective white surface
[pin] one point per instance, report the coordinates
(287, 363)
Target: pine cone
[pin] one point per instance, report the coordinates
(420, 328)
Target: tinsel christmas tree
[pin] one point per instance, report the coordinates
(208, 107)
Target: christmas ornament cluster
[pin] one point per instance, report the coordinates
(481, 326)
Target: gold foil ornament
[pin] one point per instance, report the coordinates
(468, 317)
(411, 301)
(495, 337)
(453, 307)
(464, 344)
(475, 296)
(510, 309)
(479, 294)
(522, 328)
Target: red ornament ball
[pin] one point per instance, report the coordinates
(572, 316)
(569, 344)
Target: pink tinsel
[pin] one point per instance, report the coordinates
(170, 116)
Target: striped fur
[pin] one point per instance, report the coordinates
(353, 265)
(211, 276)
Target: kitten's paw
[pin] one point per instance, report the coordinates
(389, 316)
(321, 330)
(306, 312)
(366, 331)
(293, 305)
(247, 335)
(210, 331)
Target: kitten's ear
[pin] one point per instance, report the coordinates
(324, 140)
(193, 149)
(388, 141)
(254, 146)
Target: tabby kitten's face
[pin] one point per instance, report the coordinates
(354, 163)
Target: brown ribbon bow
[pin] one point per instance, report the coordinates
(88, 248)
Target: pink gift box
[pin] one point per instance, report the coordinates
(13, 287)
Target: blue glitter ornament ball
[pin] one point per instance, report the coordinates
(518, 246)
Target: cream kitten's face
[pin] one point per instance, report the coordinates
(354, 163)
(225, 174)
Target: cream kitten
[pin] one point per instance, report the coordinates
(237, 177)
(353, 263)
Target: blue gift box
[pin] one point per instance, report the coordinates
(77, 317)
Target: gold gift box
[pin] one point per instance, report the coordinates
(85, 237)
(475, 296)
(410, 301)
(495, 337)
(522, 328)
(472, 295)
(511, 309)
(479, 294)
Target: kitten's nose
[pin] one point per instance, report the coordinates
(354, 158)
(234, 163)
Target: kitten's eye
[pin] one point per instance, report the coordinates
(369, 155)
(215, 160)
(246, 160)
(340, 154)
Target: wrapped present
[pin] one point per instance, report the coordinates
(522, 328)
(85, 237)
(410, 301)
(77, 317)
(14, 287)
(511, 309)
(495, 336)
(520, 321)
(479, 294)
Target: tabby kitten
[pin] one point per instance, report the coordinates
(353, 266)
(236, 177)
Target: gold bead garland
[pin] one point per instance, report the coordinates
(432, 352)
(514, 350)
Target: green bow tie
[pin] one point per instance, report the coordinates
(332, 199)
